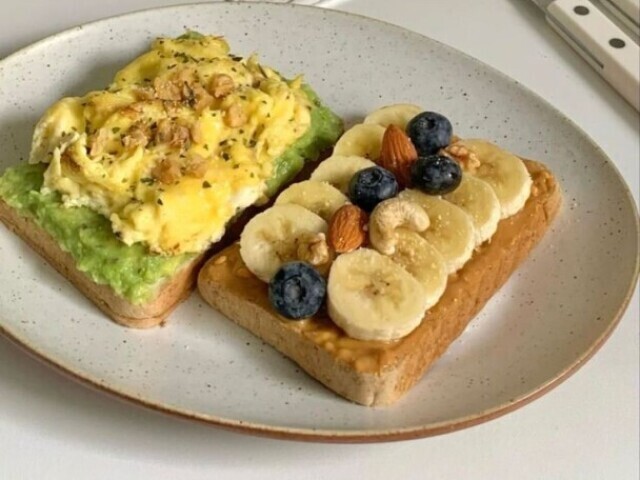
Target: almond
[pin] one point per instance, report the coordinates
(398, 154)
(347, 229)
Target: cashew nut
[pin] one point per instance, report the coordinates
(390, 215)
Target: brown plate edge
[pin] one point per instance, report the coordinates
(328, 436)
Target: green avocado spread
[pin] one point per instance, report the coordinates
(131, 271)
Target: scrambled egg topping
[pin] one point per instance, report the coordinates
(184, 137)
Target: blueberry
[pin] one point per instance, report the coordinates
(429, 132)
(297, 290)
(371, 186)
(436, 174)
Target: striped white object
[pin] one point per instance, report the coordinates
(627, 12)
(610, 51)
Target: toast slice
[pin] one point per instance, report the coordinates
(168, 293)
(373, 372)
(165, 133)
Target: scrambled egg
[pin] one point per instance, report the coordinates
(184, 138)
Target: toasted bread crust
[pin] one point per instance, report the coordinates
(169, 294)
(388, 370)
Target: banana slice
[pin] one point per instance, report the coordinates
(321, 198)
(373, 298)
(273, 237)
(505, 172)
(399, 114)
(477, 198)
(451, 230)
(362, 140)
(338, 170)
(424, 262)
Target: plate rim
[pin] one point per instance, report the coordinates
(328, 435)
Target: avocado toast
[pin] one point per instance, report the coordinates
(129, 188)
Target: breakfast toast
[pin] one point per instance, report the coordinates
(374, 372)
(368, 279)
(128, 189)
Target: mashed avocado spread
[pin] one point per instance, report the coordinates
(131, 271)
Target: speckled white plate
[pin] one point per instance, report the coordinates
(551, 316)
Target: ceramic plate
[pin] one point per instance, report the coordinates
(550, 317)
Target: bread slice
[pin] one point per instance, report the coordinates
(379, 373)
(170, 291)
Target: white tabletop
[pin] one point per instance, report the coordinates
(587, 428)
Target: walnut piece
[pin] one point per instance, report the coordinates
(137, 136)
(180, 136)
(145, 93)
(314, 249)
(468, 159)
(132, 111)
(221, 85)
(201, 98)
(166, 171)
(196, 166)
(235, 116)
(166, 89)
(97, 142)
(163, 132)
(172, 133)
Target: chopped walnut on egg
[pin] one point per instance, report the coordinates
(97, 142)
(235, 116)
(221, 85)
(195, 166)
(167, 170)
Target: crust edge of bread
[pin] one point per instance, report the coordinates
(170, 292)
(394, 380)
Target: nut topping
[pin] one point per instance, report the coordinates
(467, 158)
(235, 116)
(390, 215)
(166, 171)
(221, 85)
(398, 154)
(314, 250)
(347, 229)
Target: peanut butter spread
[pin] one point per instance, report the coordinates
(466, 291)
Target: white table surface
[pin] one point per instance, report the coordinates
(587, 428)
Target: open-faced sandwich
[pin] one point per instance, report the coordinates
(367, 272)
(127, 188)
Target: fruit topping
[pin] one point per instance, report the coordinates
(321, 198)
(338, 170)
(429, 132)
(398, 114)
(279, 235)
(436, 174)
(371, 297)
(361, 140)
(371, 186)
(297, 290)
